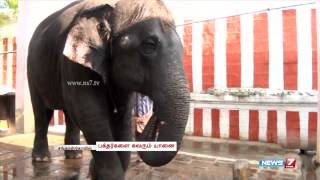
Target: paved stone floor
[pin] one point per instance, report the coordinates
(199, 158)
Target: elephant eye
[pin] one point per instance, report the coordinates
(149, 45)
(102, 30)
(101, 27)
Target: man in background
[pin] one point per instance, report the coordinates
(142, 112)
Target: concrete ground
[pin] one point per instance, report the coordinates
(199, 158)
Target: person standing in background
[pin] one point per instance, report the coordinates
(142, 111)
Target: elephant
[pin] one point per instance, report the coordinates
(123, 47)
(7, 109)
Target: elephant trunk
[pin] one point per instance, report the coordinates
(171, 111)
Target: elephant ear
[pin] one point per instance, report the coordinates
(88, 37)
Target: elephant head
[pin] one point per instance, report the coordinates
(136, 45)
(147, 57)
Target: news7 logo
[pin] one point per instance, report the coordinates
(290, 163)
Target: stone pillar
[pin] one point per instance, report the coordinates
(24, 115)
(31, 13)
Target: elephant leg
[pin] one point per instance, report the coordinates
(90, 108)
(72, 137)
(104, 165)
(123, 133)
(95, 127)
(42, 117)
(122, 125)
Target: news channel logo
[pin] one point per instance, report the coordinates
(278, 163)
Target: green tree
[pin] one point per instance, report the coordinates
(13, 5)
(11, 17)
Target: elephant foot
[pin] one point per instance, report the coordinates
(40, 156)
(73, 154)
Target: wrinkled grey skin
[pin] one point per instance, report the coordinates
(144, 58)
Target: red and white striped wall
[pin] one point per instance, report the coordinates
(8, 60)
(57, 118)
(57, 122)
(287, 124)
(275, 50)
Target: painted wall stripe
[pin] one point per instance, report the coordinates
(246, 22)
(261, 51)
(293, 129)
(272, 133)
(197, 57)
(224, 123)
(254, 125)
(234, 124)
(282, 127)
(312, 129)
(189, 126)
(275, 34)
(244, 124)
(198, 121)
(233, 52)
(263, 125)
(187, 48)
(60, 117)
(290, 49)
(9, 63)
(314, 50)
(215, 117)
(303, 125)
(4, 60)
(14, 63)
(304, 44)
(1, 63)
(208, 55)
(56, 117)
(220, 78)
(207, 122)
